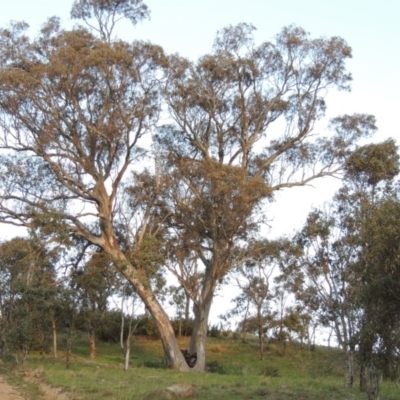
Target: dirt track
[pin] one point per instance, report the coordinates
(7, 392)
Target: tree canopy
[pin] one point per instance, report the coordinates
(76, 104)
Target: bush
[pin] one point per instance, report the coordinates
(214, 331)
(147, 327)
(186, 326)
(110, 327)
(215, 367)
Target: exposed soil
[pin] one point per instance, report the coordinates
(48, 392)
(8, 392)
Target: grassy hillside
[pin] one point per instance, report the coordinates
(235, 372)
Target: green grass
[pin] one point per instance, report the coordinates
(238, 373)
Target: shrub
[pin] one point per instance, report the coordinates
(215, 367)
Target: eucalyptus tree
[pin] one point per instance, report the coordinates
(246, 126)
(327, 267)
(254, 278)
(94, 284)
(74, 105)
(128, 309)
(28, 295)
(346, 248)
(372, 218)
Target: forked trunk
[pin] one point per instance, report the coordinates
(197, 345)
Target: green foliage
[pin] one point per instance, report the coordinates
(74, 105)
(185, 327)
(109, 329)
(214, 366)
(29, 297)
(215, 331)
(147, 327)
(373, 163)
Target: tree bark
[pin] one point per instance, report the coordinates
(373, 389)
(363, 378)
(260, 332)
(173, 355)
(201, 310)
(349, 370)
(127, 353)
(261, 342)
(54, 329)
(92, 343)
(197, 345)
(69, 348)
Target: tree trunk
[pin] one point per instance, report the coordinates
(127, 353)
(260, 331)
(187, 308)
(363, 378)
(92, 343)
(173, 355)
(54, 329)
(180, 327)
(201, 309)
(197, 345)
(261, 341)
(349, 370)
(373, 389)
(69, 348)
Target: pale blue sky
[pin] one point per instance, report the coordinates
(371, 28)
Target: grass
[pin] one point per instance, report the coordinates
(235, 372)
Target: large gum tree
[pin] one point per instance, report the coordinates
(245, 127)
(74, 105)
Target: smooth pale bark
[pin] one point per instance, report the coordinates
(127, 354)
(173, 355)
(201, 310)
(137, 278)
(126, 345)
(198, 339)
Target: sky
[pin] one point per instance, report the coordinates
(188, 27)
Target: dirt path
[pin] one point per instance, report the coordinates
(7, 392)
